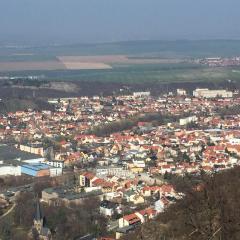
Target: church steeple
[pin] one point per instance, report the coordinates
(38, 218)
(38, 223)
(38, 215)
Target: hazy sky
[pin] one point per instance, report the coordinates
(59, 21)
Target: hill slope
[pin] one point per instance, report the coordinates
(211, 212)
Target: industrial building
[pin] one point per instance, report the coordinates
(40, 170)
(12, 158)
(35, 170)
(206, 93)
(9, 170)
(16, 162)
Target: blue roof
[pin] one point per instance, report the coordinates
(36, 166)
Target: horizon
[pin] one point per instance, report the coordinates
(81, 22)
(52, 44)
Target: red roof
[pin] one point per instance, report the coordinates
(149, 212)
(132, 218)
(102, 183)
(167, 188)
(88, 175)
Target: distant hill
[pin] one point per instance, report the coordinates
(171, 49)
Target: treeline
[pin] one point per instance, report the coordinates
(155, 119)
(25, 82)
(20, 104)
(210, 210)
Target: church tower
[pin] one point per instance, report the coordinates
(39, 227)
(38, 218)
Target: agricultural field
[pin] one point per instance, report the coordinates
(118, 59)
(139, 73)
(79, 62)
(28, 66)
(124, 62)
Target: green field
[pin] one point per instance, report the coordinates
(131, 73)
(143, 73)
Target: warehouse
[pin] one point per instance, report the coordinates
(9, 170)
(40, 170)
(11, 160)
(206, 93)
(36, 169)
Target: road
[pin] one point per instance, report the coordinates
(8, 212)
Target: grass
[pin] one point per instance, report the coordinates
(161, 73)
(26, 58)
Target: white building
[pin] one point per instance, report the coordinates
(206, 93)
(113, 171)
(54, 171)
(185, 121)
(14, 168)
(159, 206)
(108, 208)
(141, 94)
(181, 92)
(10, 170)
(55, 163)
(139, 163)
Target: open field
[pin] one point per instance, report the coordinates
(116, 59)
(28, 66)
(107, 61)
(126, 62)
(80, 63)
(144, 73)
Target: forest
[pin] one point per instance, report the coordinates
(209, 210)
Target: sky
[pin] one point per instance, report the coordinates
(90, 21)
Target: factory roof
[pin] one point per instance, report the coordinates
(36, 166)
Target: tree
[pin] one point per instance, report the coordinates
(5, 230)
(40, 184)
(210, 209)
(186, 157)
(24, 210)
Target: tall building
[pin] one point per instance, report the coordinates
(39, 227)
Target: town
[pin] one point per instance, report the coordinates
(121, 151)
